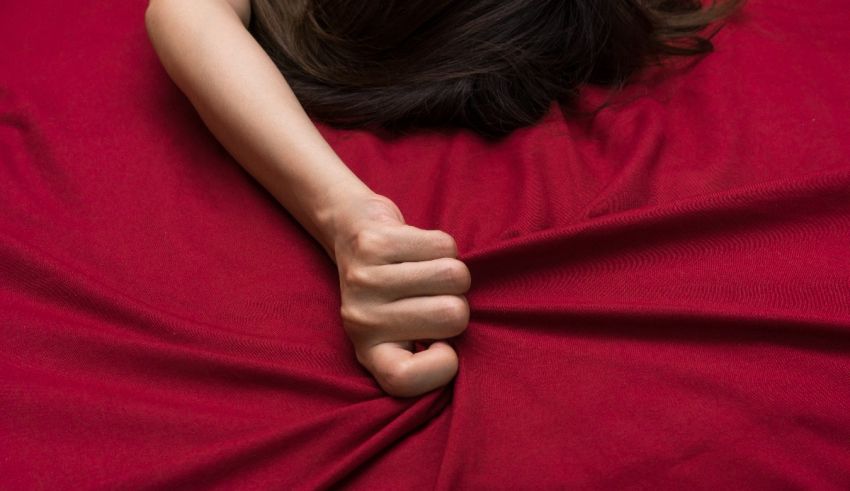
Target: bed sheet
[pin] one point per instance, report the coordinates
(661, 294)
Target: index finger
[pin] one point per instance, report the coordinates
(407, 244)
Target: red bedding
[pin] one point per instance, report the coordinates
(661, 296)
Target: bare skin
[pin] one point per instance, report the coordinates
(398, 283)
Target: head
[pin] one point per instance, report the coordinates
(488, 65)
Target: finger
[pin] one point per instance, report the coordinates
(416, 244)
(405, 243)
(404, 374)
(444, 276)
(408, 319)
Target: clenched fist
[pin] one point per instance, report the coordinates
(399, 284)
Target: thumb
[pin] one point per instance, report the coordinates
(404, 374)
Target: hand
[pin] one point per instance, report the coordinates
(399, 284)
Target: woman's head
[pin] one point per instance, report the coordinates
(489, 65)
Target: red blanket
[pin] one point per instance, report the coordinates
(661, 295)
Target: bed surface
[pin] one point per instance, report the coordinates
(661, 296)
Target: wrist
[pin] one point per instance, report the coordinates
(332, 215)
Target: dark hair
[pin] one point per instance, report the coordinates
(488, 65)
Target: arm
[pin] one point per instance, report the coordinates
(398, 283)
(246, 103)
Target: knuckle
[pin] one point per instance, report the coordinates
(359, 277)
(350, 314)
(456, 273)
(445, 242)
(369, 243)
(357, 321)
(397, 378)
(453, 312)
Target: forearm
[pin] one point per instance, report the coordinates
(247, 104)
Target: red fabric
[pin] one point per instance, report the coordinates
(660, 297)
